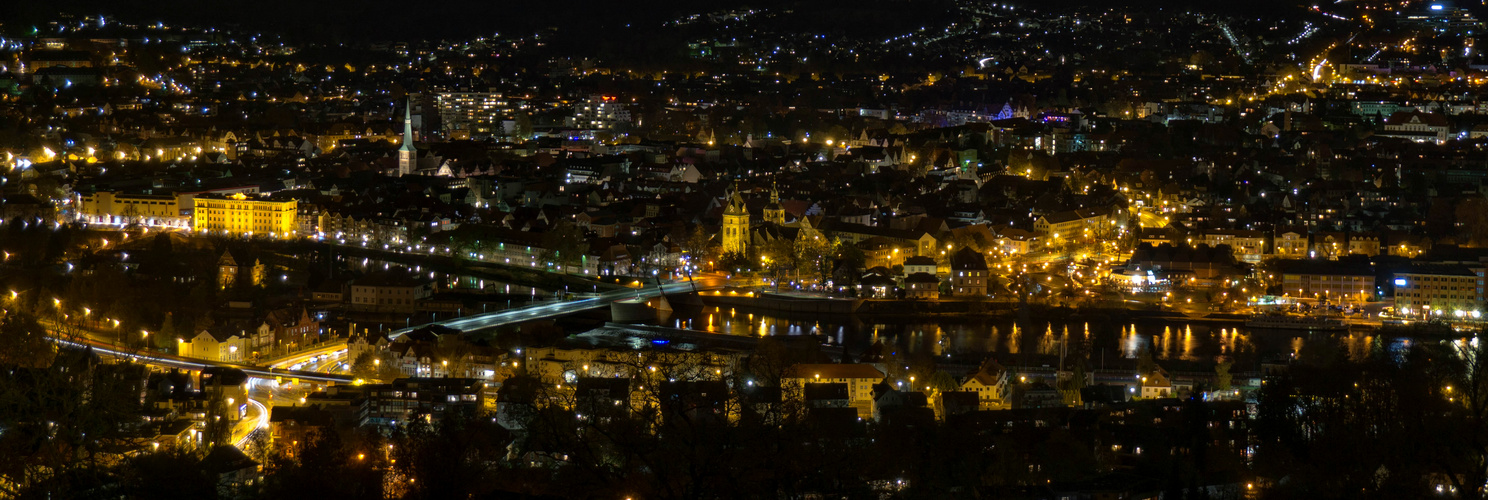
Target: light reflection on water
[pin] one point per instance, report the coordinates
(1168, 340)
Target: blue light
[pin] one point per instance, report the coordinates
(1399, 281)
(660, 341)
(1436, 7)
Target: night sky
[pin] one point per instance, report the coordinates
(377, 20)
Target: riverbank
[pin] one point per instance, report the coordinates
(891, 309)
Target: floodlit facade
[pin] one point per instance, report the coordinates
(118, 208)
(240, 214)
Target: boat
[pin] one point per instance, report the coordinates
(1305, 323)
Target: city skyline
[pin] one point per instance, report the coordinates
(783, 249)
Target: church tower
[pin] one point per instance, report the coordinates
(775, 212)
(407, 155)
(735, 223)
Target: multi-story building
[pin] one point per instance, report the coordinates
(1332, 245)
(601, 112)
(1248, 245)
(105, 207)
(969, 273)
(241, 214)
(1438, 291)
(473, 115)
(389, 291)
(1416, 126)
(1078, 224)
(1290, 243)
(1326, 280)
(859, 379)
(610, 353)
(406, 398)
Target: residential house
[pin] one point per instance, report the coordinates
(969, 273)
(990, 384)
(858, 379)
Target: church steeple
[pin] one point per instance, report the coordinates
(735, 223)
(775, 212)
(407, 155)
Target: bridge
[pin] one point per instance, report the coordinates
(173, 361)
(491, 320)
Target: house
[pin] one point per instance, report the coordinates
(954, 403)
(221, 343)
(1157, 385)
(1154, 236)
(990, 384)
(291, 329)
(1017, 241)
(858, 379)
(602, 397)
(826, 395)
(920, 264)
(922, 286)
(969, 273)
(877, 284)
(1037, 394)
(887, 400)
(291, 425)
(1248, 245)
(390, 291)
(229, 384)
(364, 343)
(234, 471)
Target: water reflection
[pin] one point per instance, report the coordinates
(1167, 340)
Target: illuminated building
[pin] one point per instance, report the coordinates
(479, 115)
(1326, 280)
(775, 212)
(600, 112)
(1438, 290)
(735, 224)
(969, 274)
(242, 214)
(857, 378)
(106, 207)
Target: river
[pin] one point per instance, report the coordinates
(1186, 342)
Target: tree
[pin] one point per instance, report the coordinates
(941, 381)
(218, 430)
(522, 126)
(698, 246)
(1472, 217)
(23, 342)
(1145, 364)
(734, 261)
(326, 465)
(376, 365)
(1222, 375)
(566, 244)
(166, 337)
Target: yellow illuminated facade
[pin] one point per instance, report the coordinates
(735, 224)
(118, 208)
(240, 214)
